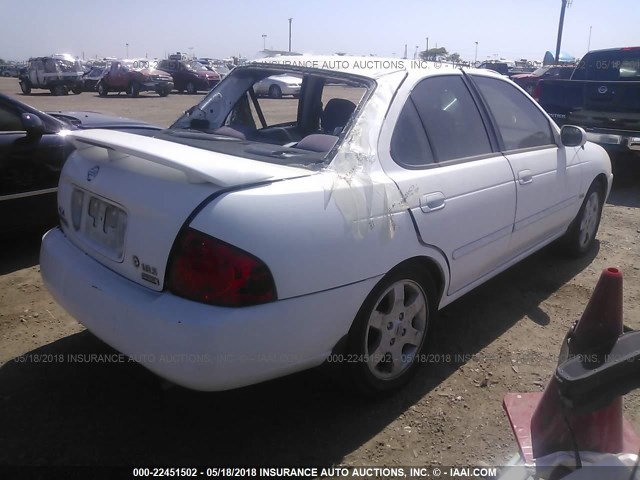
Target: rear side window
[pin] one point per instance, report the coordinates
(610, 66)
(409, 144)
(519, 121)
(451, 118)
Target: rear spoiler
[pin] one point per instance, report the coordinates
(199, 166)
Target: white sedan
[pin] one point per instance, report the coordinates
(278, 85)
(227, 251)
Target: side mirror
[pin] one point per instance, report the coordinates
(33, 125)
(572, 136)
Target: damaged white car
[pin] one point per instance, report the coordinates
(252, 239)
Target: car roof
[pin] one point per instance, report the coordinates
(368, 67)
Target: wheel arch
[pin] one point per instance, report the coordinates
(431, 267)
(602, 182)
(426, 263)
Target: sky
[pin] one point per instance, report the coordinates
(210, 28)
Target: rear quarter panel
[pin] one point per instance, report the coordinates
(302, 231)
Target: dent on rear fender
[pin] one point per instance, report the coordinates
(363, 193)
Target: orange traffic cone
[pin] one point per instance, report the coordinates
(596, 332)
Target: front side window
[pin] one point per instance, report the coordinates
(450, 118)
(520, 123)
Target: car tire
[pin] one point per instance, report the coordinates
(103, 91)
(163, 93)
(581, 234)
(133, 90)
(275, 91)
(59, 90)
(390, 331)
(25, 87)
(77, 89)
(191, 88)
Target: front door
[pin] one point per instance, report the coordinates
(548, 181)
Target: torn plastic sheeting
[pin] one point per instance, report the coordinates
(361, 190)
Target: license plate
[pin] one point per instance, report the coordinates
(104, 225)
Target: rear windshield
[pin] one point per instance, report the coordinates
(276, 115)
(610, 66)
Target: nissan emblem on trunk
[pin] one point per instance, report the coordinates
(93, 173)
(603, 89)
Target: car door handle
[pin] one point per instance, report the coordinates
(525, 177)
(432, 202)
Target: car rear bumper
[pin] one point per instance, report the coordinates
(158, 86)
(616, 140)
(195, 345)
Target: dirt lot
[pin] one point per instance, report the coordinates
(58, 410)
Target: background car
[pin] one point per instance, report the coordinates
(528, 81)
(58, 74)
(278, 85)
(92, 77)
(221, 70)
(9, 71)
(501, 67)
(191, 76)
(133, 77)
(33, 149)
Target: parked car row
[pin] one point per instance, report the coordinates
(9, 70)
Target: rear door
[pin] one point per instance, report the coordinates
(548, 181)
(459, 189)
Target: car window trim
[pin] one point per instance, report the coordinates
(530, 149)
(490, 125)
(256, 105)
(453, 161)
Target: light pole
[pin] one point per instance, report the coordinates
(290, 34)
(560, 26)
(426, 52)
(415, 54)
(127, 45)
(475, 60)
(264, 41)
(589, 44)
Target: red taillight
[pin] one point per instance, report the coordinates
(208, 270)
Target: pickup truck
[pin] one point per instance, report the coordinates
(603, 97)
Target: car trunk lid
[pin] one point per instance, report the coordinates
(123, 198)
